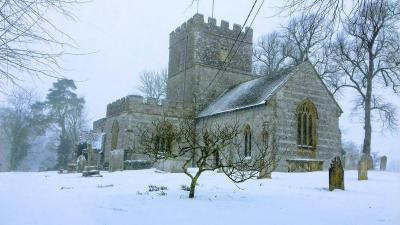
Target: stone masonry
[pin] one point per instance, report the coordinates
(227, 93)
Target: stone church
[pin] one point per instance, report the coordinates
(293, 108)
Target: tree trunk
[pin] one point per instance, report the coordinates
(367, 124)
(367, 113)
(193, 185)
(13, 157)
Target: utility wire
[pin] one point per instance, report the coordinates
(229, 56)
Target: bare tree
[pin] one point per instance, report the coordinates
(270, 54)
(367, 54)
(19, 125)
(209, 147)
(154, 84)
(332, 9)
(305, 37)
(29, 41)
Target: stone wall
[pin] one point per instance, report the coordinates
(185, 88)
(259, 118)
(132, 113)
(198, 50)
(305, 84)
(196, 41)
(278, 118)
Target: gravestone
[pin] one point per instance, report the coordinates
(81, 163)
(363, 168)
(336, 174)
(383, 163)
(116, 160)
(90, 171)
(72, 167)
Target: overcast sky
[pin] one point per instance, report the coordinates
(132, 36)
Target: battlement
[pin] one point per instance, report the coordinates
(197, 23)
(136, 103)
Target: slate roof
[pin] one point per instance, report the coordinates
(248, 94)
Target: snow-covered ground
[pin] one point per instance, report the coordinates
(121, 198)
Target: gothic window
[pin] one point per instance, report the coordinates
(247, 141)
(307, 125)
(114, 135)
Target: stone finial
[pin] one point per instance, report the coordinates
(336, 175)
(363, 168)
(383, 163)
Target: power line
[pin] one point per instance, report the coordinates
(251, 24)
(226, 62)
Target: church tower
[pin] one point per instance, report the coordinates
(201, 65)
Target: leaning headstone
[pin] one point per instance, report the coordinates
(81, 163)
(336, 175)
(116, 160)
(363, 168)
(383, 163)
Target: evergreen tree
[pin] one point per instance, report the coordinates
(63, 107)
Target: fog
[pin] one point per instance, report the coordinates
(126, 37)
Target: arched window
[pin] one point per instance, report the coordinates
(114, 135)
(307, 117)
(247, 141)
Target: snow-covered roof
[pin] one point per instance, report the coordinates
(248, 94)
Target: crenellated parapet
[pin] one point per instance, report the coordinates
(197, 23)
(122, 105)
(138, 104)
(197, 42)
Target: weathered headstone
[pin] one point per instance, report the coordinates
(72, 168)
(90, 171)
(116, 160)
(383, 163)
(81, 163)
(336, 175)
(363, 168)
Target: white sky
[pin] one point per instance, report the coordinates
(130, 37)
